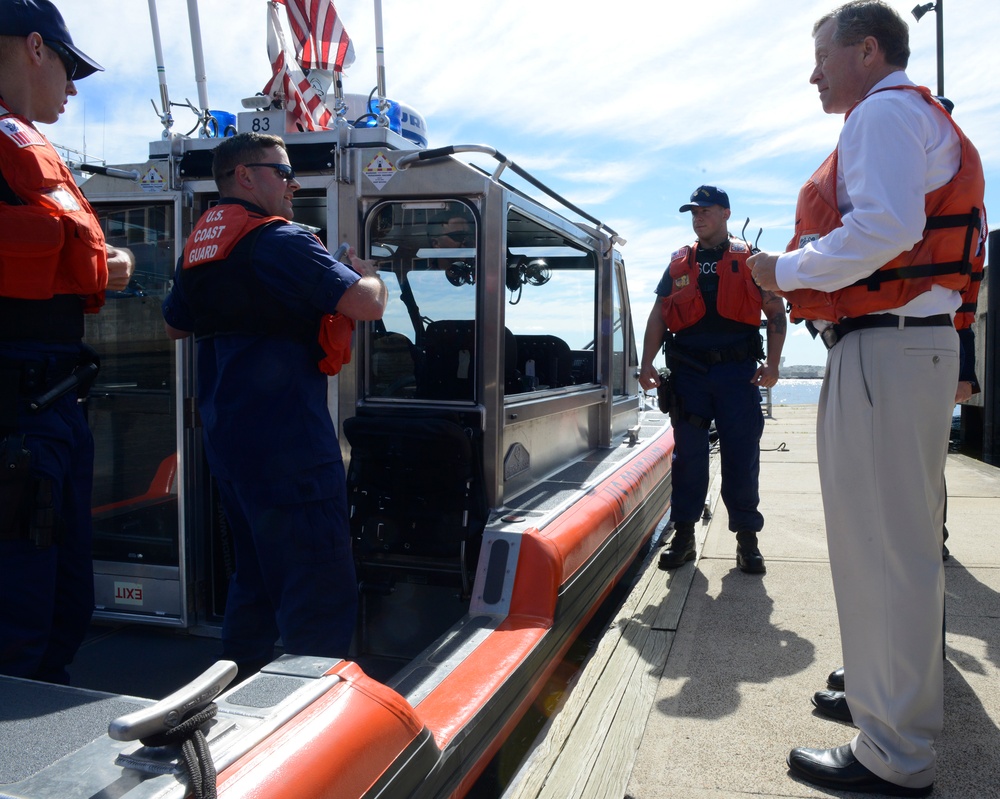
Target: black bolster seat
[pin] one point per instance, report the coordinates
(414, 487)
(552, 357)
(448, 367)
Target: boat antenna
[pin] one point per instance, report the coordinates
(339, 104)
(166, 118)
(383, 103)
(754, 249)
(205, 117)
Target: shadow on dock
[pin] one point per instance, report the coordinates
(702, 683)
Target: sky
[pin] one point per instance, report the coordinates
(623, 108)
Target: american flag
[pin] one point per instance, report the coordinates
(320, 39)
(304, 106)
(22, 135)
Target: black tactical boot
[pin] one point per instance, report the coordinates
(681, 547)
(748, 557)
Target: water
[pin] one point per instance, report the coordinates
(805, 391)
(796, 391)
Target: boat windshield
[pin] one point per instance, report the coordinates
(425, 347)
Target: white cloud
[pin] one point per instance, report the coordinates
(622, 110)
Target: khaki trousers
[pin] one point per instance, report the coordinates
(882, 437)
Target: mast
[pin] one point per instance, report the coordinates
(383, 103)
(199, 67)
(165, 116)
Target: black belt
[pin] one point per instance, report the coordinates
(34, 376)
(56, 320)
(42, 381)
(748, 350)
(742, 352)
(832, 334)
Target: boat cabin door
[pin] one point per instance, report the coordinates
(139, 551)
(160, 542)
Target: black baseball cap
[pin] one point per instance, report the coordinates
(24, 17)
(704, 196)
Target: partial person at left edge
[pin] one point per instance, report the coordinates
(272, 313)
(54, 267)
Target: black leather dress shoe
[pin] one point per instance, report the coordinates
(838, 768)
(835, 680)
(833, 705)
(749, 560)
(678, 552)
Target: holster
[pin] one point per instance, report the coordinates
(27, 508)
(666, 400)
(671, 404)
(27, 511)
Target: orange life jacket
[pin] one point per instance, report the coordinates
(218, 232)
(950, 253)
(214, 239)
(51, 242)
(965, 316)
(738, 297)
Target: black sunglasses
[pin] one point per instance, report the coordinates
(284, 170)
(458, 236)
(68, 59)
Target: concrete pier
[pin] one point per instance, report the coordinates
(702, 684)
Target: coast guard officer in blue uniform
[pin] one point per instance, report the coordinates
(708, 311)
(258, 292)
(54, 268)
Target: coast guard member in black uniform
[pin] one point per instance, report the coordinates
(54, 268)
(708, 302)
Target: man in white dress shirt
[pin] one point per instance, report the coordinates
(887, 231)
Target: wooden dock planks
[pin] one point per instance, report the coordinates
(588, 747)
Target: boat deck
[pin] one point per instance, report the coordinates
(702, 682)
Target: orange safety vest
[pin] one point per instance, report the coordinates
(218, 231)
(738, 297)
(950, 254)
(51, 243)
(213, 240)
(965, 316)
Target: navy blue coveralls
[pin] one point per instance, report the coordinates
(723, 393)
(271, 443)
(47, 587)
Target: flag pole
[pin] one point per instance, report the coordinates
(339, 106)
(200, 77)
(383, 104)
(165, 116)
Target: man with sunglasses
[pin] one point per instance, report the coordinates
(54, 267)
(272, 313)
(450, 230)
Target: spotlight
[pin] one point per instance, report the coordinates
(258, 101)
(537, 273)
(918, 12)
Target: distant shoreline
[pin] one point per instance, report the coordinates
(802, 372)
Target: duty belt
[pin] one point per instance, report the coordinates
(832, 334)
(42, 381)
(740, 352)
(56, 320)
(35, 375)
